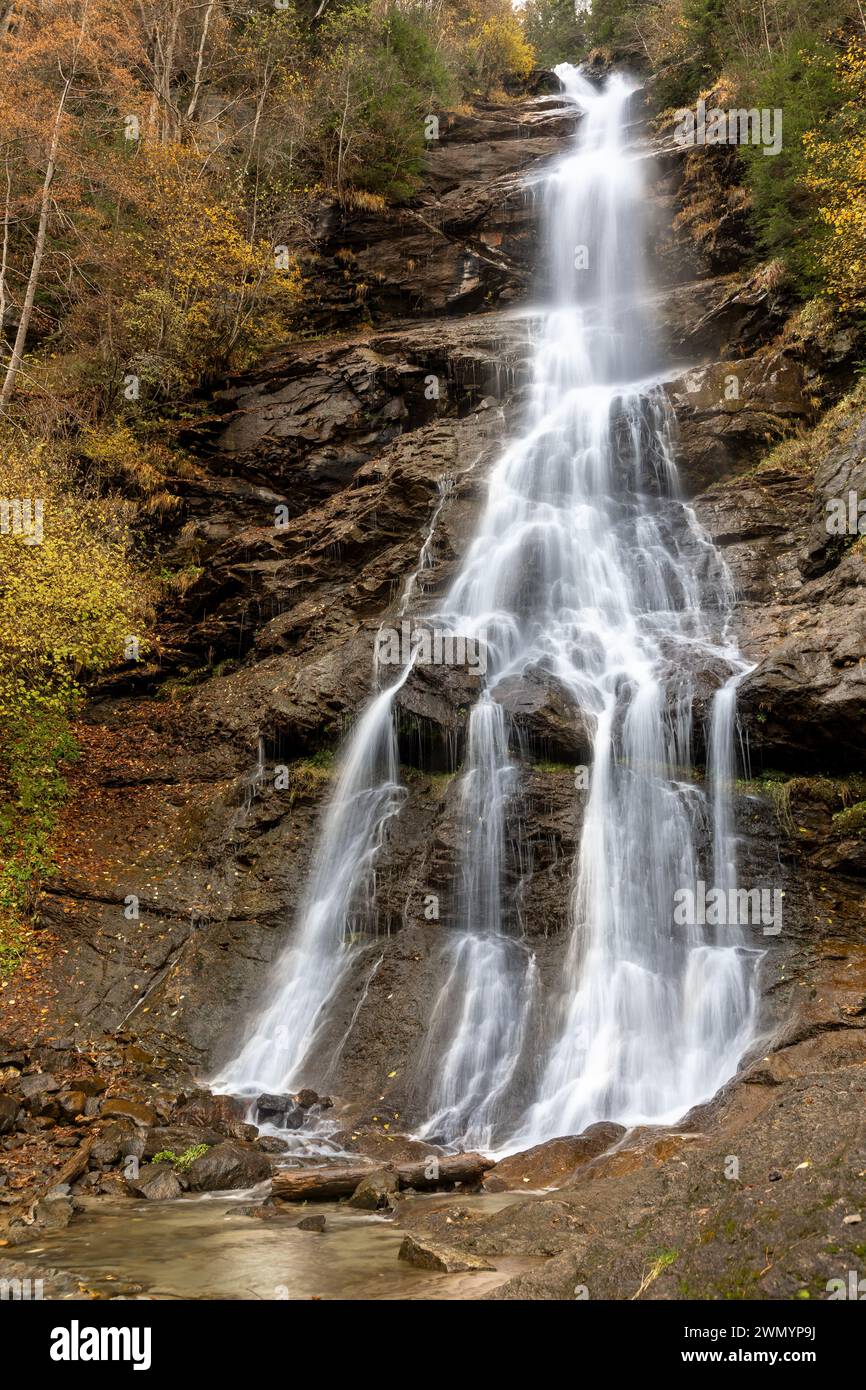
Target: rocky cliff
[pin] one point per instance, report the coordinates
(195, 806)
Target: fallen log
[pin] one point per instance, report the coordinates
(326, 1184)
(427, 1174)
(333, 1181)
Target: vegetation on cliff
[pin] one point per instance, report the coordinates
(161, 168)
(803, 58)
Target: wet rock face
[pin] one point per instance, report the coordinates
(729, 412)
(801, 611)
(553, 1163)
(469, 237)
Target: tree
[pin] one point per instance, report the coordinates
(54, 58)
(556, 30)
(836, 174)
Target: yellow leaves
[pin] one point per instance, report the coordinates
(206, 296)
(67, 603)
(836, 174)
(501, 50)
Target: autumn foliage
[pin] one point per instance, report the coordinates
(161, 167)
(836, 175)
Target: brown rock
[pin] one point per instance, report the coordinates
(228, 1165)
(133, 1110)
(312, 1223)
(9, 1107)
(433, 1254)
(158, 1182)
(72, 1103)
(554, 1162)
(372, 1192)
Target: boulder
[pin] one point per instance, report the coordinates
(312, 1223)
(22, 1224)
(142, 1115)
(373, 1192)
(273, 1109)
(433, 1254)
(9, 1107)
(245, 1132)
(208, 1111)
(228, 1165)
(72, 1103)
(37, 1084)
(554, 1162)
(91, 1085)
(271, 1144)
(177, 1139)
(158, 1182)
(116, 1142)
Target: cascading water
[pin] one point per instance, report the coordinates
(339, 899)
(586, 567)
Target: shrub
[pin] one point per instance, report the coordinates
(69, 600)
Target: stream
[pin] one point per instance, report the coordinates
(204, 1248)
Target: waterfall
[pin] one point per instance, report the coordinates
(338, 905)
(587, 567)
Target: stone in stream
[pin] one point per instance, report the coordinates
(305, 1099)
(272, 1108)
(374, 1192)
(158, 1182)
(433, 1254)
(226, 1165)
(262, 1211)
(28, 1220)
(271, 1144)
(245, 1132)
(312, 1223)
(281, 1110)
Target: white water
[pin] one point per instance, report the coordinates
(338, 906)
(587, 567)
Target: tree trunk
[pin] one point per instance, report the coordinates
(196, 85)
(17, 357)
(4, 256)
(329, 1183)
